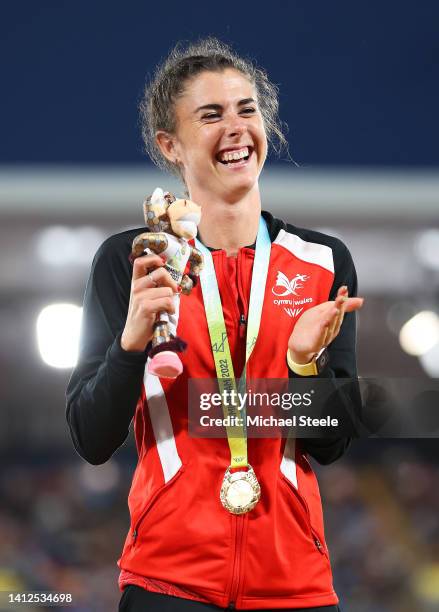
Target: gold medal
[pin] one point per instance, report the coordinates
(240, 491)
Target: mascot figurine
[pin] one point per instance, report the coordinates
(171, 224)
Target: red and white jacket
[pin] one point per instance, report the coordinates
(181, 540)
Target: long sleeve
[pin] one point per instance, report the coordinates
(106, 383)
(342, 360)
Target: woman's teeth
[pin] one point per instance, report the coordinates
(232, 156)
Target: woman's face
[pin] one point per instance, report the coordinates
(220, 141)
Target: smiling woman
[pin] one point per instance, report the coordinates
(207, 116)
(157, 109)
(219, 147)
(230, 522)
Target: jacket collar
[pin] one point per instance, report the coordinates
(273, 225)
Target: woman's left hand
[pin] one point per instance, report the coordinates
(319, 325)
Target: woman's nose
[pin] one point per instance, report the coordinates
(235, 125)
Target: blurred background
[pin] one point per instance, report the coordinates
(359, 90)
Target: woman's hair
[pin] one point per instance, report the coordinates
(157, 107)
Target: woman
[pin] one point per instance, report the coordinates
(207, 115)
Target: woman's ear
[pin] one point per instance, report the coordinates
(166, 144)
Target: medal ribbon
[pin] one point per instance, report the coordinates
(236, 434)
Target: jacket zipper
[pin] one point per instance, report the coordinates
(242, 326)
(239, 526)
(318, 544)
(317, 541)
(156, 495)
(243, 295)
(239, 520)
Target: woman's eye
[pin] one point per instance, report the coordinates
(212, 116)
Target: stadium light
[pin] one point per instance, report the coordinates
(430, 361)
(427, 248)
(60, 245)
(420, 333)
(58, 327)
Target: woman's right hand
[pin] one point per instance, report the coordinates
(151, 292)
